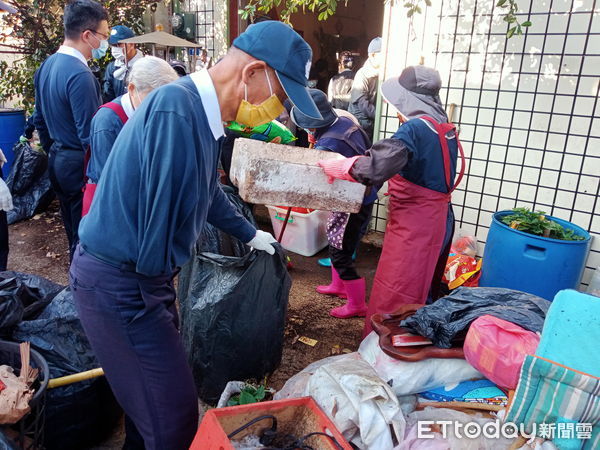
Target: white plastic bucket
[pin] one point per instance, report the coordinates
(305, 234)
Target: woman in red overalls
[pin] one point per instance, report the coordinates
(419, 163)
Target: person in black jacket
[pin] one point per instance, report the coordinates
(340, 85)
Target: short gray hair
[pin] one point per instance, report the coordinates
(151, 72)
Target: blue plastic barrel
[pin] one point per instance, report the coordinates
(12, 124)
(534, 264)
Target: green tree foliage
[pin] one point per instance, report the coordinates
(35, 31)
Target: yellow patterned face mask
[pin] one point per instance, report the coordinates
(256, 115)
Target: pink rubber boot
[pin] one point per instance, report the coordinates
(335, 288)
(355, 306)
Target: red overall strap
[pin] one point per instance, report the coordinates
(117, 109)
(442, 130)
(120, 112)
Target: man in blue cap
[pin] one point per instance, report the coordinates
(114, 83)
(158, 189)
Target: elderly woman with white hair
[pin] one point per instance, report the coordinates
(147, 74)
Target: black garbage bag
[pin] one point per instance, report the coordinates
(22, 297)
(233, 313)
(28, 183)
(78, 415)
(450, 317)
(29, 164)
(213, 240)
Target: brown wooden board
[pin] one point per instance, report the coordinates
(388, 325)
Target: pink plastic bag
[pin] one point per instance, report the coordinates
(497, 349)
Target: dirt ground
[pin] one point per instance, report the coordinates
(39, 246)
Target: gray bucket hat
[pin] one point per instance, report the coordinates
(415, 93)
(328, 114)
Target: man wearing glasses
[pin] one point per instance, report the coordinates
(67, 95)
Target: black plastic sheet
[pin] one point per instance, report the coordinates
(449, 318)
(81, 414)
(22, 297)
(28, 183)
(233, 313)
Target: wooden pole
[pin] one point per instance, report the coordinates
(75, 378)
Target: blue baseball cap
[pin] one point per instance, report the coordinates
(288, 54)
(118, 33)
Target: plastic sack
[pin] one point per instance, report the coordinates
(465, 245)
(29, 164)
(266, 133)
(78, 415)
(497, 349)
(22, 297)
(233, 313)
(461, 270)
(29, 183)
(413, 377)
(295, 387)
(361, 405)
(449, 317)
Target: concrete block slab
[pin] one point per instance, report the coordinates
(284, 175)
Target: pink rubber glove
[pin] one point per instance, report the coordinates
(338, 168)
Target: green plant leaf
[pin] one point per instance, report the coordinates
(526, 24)
(260, 393)
(246, 398)
(500, 3)
(511, 32)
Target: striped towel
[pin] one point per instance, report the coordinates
(558, 403)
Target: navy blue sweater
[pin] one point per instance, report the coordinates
(160, 186)
(67, 95)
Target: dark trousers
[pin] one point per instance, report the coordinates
(341, 260)
(131, 323)
(3, 241)
(65, 169)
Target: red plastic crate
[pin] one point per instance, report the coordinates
(298, 416)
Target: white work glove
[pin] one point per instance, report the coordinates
(262, 241)
(6, 203)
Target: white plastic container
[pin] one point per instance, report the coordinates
(305, 234)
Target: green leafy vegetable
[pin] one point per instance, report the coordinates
(248, 395)
(536, 223)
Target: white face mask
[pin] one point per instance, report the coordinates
(117, 52)
(137, 97)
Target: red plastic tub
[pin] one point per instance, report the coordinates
(297, 416)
